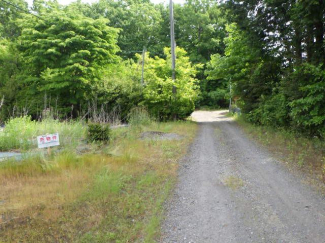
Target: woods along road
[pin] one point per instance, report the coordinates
(231, 190)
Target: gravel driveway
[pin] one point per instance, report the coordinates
(231, 190)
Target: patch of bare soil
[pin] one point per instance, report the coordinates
(154, 135)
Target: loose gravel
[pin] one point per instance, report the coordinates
(231, 190)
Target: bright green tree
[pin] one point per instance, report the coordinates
(158, 90)
(63, 52)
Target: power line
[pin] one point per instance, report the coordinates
(21, 9)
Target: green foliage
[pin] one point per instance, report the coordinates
(308, 111)
(66, 58)
(106, 183)
(120, 86)
(235, 67)
(274, 61)
(272, 111)
(139, 22)
(8, 18)
(200, 29)
(158, 90)
(21, 132)
(98, 132)
(63, 58)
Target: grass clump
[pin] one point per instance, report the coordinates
(98, 132)
(138, 117)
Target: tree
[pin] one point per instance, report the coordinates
(158, 95)
(200, 29)
(63, 52)
(275, 60)
(138, 21)
(10, 11)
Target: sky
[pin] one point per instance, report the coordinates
(30, 2)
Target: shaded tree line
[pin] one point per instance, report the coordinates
(274, 59)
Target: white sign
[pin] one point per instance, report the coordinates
(49, 140)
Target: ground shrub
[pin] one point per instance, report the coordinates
(98, 132)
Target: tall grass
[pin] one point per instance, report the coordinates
(139, 117)
(22, 132)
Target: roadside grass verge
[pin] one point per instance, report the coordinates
(21, 132)
(114, 193)
(306, 154)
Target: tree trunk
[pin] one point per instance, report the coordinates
(319, 33)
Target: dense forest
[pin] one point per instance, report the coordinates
(70, 58)
(266, 55)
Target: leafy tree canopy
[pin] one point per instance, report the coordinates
(63, 52)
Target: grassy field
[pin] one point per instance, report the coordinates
(110, 193)
(305, 154)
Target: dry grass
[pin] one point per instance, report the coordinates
(113, 195)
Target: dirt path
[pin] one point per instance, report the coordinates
(230, 190)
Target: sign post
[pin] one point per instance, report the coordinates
(48, 141)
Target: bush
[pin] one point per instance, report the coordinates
(307, 110)
(98, 132)
(272, 111)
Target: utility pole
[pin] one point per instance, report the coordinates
(172, 42)
(230, 94)
(172, 49)
(143, 58)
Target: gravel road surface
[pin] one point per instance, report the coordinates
(231, 190)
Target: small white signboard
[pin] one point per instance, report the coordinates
(49, 140)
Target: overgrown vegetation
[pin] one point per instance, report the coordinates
(105, 193)
(274, 62)
(21, 132)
